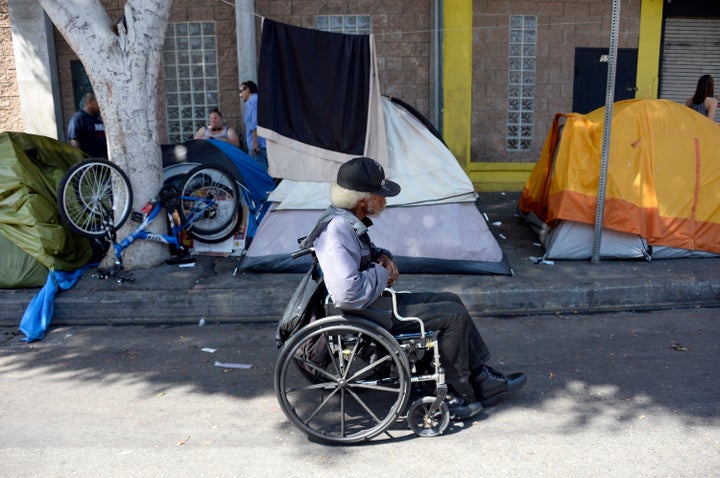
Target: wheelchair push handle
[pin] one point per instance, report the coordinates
(302, 252)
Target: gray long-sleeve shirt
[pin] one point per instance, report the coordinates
(352, 279)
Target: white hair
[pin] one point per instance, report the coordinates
(345, 198)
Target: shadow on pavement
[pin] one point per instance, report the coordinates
(612, 369)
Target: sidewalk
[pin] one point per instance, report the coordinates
(209, 291)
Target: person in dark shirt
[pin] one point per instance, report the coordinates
(86, 129)
(704, 101)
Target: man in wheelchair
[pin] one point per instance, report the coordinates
(356, 273)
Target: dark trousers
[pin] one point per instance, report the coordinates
(462, 349)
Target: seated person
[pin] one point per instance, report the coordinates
(216, 129)
(356, 272)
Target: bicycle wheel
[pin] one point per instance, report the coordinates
(209, 203)
(231, 228)
(342, 381)
(224, 233)
(94, 196)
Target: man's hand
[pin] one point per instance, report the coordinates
(390, 266)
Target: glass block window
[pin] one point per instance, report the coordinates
(521, 83)
(190, 72)
(352, 24)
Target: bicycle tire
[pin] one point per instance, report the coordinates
(232, 228)
(224, 233)
(89, 191)
(209, 203)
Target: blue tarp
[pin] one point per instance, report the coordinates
(255, 177)
(39, 312)
(246, 170)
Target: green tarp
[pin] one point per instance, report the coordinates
(32, 237)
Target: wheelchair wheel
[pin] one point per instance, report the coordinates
(209, 203)
(342, 381)
(427, 423)
(94, 195)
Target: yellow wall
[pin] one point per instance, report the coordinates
(498, 176)
(648, 67)
(457, 77)
(457, 89)
(457, 104)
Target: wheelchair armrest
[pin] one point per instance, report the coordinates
(393, 295)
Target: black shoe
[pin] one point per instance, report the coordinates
(461, 409)
(491, 386)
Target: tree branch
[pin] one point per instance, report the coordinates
(88, 16)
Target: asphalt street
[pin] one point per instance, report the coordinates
(617, 394)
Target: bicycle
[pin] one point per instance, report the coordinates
(95, 199)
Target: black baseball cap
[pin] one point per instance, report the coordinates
(366, 175)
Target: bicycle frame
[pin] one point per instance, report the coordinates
(256, 211)
(173, 239)
(141, 232)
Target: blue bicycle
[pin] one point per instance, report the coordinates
(95, 199)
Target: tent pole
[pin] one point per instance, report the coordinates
(609, 100)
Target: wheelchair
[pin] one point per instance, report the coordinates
(344, 379)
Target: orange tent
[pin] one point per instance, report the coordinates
(663, 181)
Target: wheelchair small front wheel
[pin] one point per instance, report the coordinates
(425, 421)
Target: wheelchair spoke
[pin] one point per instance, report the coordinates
(314, 386)
(342, 414)
(375, 387)
(315, 368)
(321, 406)
(342, 382)
(341, 362)
(372, 366)
(338, 361)
(362, 403)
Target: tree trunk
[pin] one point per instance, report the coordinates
(122, 59)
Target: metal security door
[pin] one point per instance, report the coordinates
(691, 48)
(590, 79)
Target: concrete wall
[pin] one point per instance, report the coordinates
(35, 68)
(10, 117)
(222, 13)
(561, 27)
(403, 33)
(402, 39)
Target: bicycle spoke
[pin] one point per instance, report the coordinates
(94, 196)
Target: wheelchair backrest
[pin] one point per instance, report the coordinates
(305, 306)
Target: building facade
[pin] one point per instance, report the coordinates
(490, 74)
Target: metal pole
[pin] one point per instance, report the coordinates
(246, 44)
(609, 100)
(436, 64)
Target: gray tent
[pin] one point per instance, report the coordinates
(435, 225)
